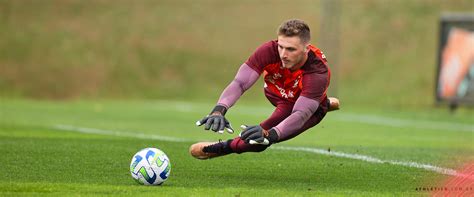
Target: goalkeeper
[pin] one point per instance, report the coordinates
(296, 79)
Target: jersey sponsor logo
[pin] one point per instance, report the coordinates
(284, 94)
(283, 84)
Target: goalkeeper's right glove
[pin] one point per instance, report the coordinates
(216, 120)
(257, 135)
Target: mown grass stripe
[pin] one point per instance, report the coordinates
(370, 159)
(346, 117)
(396, 122)
(119, 133)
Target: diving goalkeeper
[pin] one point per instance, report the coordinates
(296, 77)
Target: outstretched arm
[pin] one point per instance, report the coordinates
(244, 79)
(246, 76)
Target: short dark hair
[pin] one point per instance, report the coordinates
(295, 27)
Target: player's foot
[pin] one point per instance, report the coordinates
(333, 104)
(207, 150)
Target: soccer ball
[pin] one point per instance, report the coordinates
(150, 166)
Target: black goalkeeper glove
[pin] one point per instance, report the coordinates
(257, 135)
(216, 120)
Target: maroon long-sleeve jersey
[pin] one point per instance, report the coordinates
(311, 80)
(305, 89)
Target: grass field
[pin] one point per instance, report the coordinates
(82, 51)
(42, 155)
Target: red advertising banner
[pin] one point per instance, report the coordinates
(455, 76)
(456, 62)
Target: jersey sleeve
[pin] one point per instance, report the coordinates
(303, 109)
(266, 54)
(243, 80)
(313, 93)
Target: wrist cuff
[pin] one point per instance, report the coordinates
(219, 108)
(272, 135)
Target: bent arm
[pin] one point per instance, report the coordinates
(244, 79)
(303, 109)
(314, 92)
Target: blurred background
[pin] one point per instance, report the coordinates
(382, 53)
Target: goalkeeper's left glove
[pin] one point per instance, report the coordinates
(257, 135)
(216, 120)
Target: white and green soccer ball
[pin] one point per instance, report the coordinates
(150, 166)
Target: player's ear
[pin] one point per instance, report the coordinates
(306, 48)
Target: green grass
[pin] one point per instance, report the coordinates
(39, 159)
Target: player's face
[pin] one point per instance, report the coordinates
(292, 51)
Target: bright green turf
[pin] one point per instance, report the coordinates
(36, 158)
